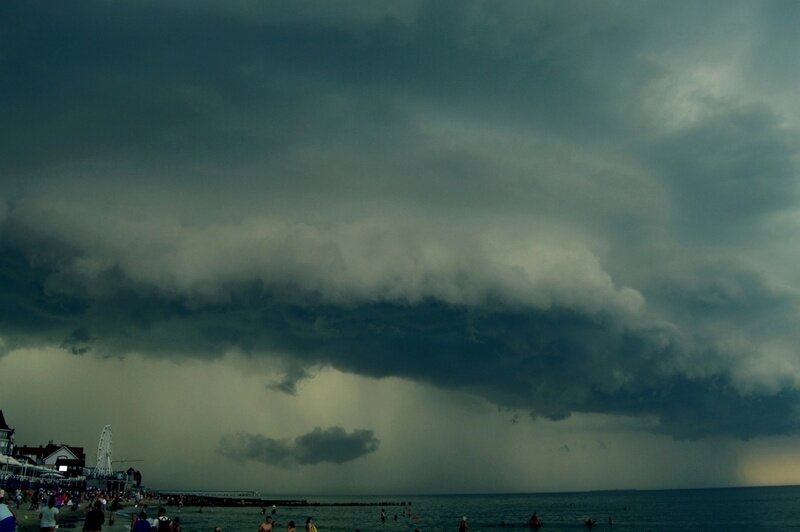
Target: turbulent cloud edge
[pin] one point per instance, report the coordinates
(362, 261)
(552, 359)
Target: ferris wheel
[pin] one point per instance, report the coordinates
(103, 467)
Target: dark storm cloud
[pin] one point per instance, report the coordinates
(349, 191)
(160, 85)
(78, 342)
(293, 373)
(728, 169)
(551, 361)
(332, 445)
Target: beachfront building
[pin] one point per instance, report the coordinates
(6, 436)
(66, 459)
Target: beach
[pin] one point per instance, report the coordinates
(767, 509)
(28, 520)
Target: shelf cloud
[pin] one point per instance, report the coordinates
(557, 207)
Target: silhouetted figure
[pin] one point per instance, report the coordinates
(115, 506)
(164, 522)
(141, 524)
(95, 518)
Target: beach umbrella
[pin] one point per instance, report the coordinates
(8, 460)
(41, 471)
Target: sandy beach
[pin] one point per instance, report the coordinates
(28, 520)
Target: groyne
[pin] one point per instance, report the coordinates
(176, 498)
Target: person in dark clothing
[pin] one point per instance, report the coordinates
(164, 522)
(94, 519)
(141, 524)
(115, 506)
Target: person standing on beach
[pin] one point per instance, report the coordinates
(8, 521)
(34, 501)
(48, 516)
(164, 524)
(291, 527)
(115, 504)
(310, 526)
(463, 526)
(141, 524)
(94, 519)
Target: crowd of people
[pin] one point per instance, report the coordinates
(97, 507)
(160, 523)
(100, 508)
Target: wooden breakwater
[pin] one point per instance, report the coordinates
(202, 500)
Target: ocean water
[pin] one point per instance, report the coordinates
(773, 509)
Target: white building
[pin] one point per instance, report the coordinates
(66, 459)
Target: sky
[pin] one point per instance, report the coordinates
(359, 247)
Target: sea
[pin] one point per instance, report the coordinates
(773, 509)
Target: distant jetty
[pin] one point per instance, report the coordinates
(217, 498)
